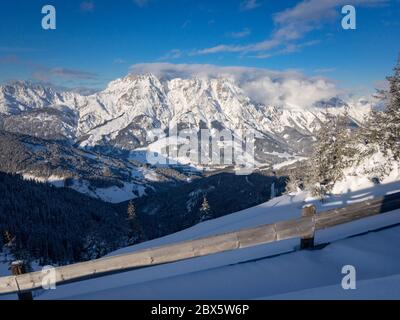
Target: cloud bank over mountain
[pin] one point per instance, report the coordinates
(280, 88)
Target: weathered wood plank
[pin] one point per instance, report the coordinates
(355, 212)
(293, 228)
(256, 236)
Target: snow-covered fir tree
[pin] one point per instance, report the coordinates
(294, 182)
(331, 154)
(383, 127)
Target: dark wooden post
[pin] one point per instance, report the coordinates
(307, 242)
(17, 268)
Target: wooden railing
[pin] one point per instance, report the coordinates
(303, 228)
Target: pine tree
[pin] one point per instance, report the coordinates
(392, 113)
(330, 155)
(293, 182)
(383, 128)
(205, 211)
(136, 232)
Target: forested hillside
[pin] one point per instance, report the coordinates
(41, 222)
(207, 198)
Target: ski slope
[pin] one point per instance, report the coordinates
(272, 271)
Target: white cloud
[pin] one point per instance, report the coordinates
(119, 61)
(308, 15)
(280, 88)
(263, 55)
(295, 47)
(172, 54)
(240, 34)
(293, 24)
(260, 46)
(293, 92)
(46, 74)
(249, 5)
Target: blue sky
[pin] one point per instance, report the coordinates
(98, 40)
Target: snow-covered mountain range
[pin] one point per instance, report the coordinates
(130, 113)
(123, 114)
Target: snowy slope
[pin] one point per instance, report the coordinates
(266, 271)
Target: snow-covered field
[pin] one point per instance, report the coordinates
(272, 271)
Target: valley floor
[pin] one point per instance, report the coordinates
(273, 271)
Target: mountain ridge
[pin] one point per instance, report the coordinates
(160, 104)
(133, 114)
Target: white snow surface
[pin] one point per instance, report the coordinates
(114, 194)
(272, 271)
(362, 175)
(54, 180)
